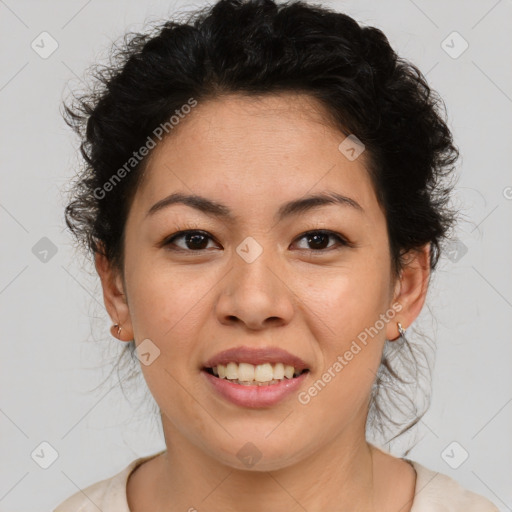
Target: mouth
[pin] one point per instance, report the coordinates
(247, 374)
(255, 377)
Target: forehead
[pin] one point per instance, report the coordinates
(251, 149)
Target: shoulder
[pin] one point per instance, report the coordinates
(440, 493)
(107, 495)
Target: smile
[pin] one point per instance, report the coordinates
(247, 374)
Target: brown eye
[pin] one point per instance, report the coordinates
(319, 240)
(193, 240)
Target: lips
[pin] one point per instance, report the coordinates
(255, 396)
(256, 356)
(262, 394)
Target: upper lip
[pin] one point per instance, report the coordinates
(256, 356)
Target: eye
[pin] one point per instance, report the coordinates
(318, 239)
(194, 240)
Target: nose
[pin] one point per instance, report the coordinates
(255, 294)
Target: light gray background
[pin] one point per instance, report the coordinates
(48, 361)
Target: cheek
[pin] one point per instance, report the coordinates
(167, 301)
(345, 310)
(345, 301)
(168, 307)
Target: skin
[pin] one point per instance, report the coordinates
(253, 155)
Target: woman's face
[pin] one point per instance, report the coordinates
(256, 279)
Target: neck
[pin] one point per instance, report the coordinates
(339, 476)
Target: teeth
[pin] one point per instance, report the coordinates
(245, 373)
(288, 372)
(279, 371)
(231, 371)
(263, 373)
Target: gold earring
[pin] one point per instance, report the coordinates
(118, 329)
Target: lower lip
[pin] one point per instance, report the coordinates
(255, 396)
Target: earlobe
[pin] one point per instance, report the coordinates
(116, 331)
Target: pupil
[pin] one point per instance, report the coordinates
(315, 237)
(194, 240)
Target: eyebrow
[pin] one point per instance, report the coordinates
(215, 209)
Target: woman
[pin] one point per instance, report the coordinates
(265, 195)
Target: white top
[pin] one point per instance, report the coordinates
(434, 492)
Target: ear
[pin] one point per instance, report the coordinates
(114, 297)
(411, 289)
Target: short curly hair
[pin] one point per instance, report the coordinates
(257, 47)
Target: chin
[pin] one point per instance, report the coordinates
(256, 453)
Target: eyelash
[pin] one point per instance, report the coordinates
(343, 242)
